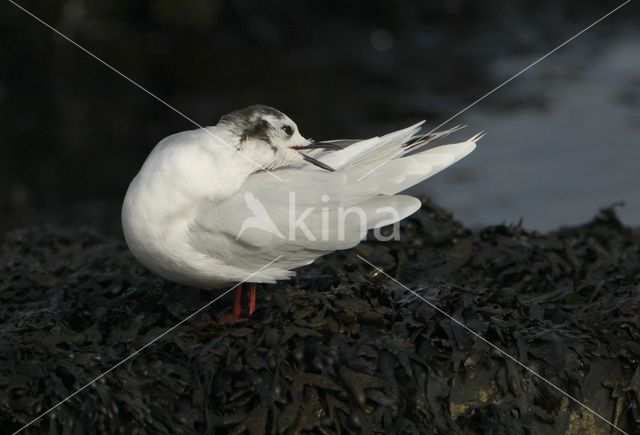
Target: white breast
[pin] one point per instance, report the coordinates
(178, 177)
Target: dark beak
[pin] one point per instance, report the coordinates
(313, 145)
(318, 163)
(316, 145)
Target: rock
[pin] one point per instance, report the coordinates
(339, 348)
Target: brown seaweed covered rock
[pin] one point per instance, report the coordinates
(340, 349)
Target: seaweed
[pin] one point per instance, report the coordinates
(339, 349)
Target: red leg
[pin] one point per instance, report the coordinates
(252, 297)
(236, 312)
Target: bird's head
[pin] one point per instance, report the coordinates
(270, 138)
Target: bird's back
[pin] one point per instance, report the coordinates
(306, 212)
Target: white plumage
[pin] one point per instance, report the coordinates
(200, 212)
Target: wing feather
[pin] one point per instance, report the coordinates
(313, 212)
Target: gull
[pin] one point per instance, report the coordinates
(211, 206)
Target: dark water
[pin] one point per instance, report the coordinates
(557, 163)
(562, 138)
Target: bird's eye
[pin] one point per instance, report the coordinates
(287, 129)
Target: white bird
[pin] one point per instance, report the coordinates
(212, 206)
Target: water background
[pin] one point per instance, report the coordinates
(562, 139)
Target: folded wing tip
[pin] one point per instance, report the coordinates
(477, 137)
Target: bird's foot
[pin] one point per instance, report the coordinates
(228, 318)
(236, 311)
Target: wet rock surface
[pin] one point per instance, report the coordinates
(340, 349)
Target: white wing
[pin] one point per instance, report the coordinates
(260, 219)
(319, 211)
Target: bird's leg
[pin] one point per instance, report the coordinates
(236, 312)
(252, 297)
(237, 301)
